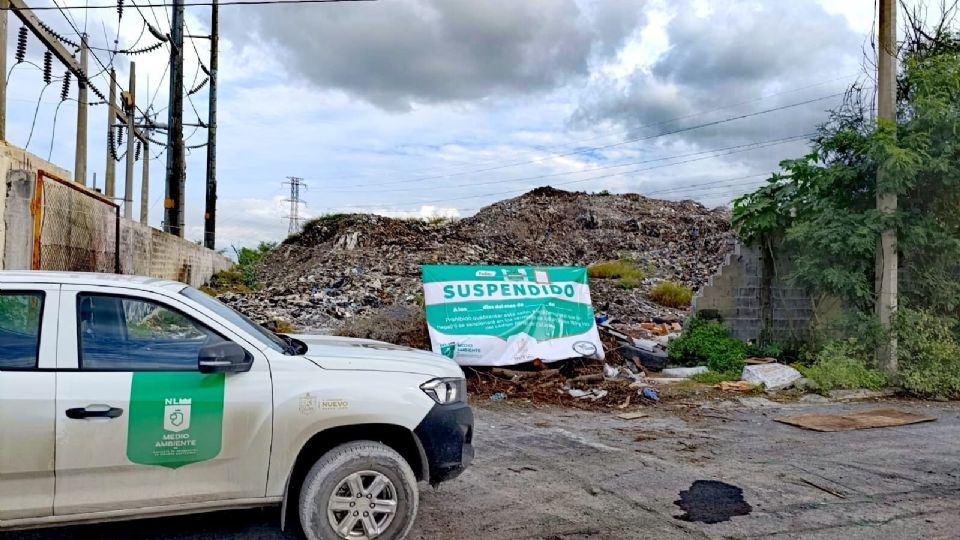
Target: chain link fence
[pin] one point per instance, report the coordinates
(74, 233)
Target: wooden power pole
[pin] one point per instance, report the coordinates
(4, 7)
(887, 259)
(110, 169)
(210, 212)
(176, 169)
(80, 156)
(130, 106)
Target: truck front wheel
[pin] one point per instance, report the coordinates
(359, 490)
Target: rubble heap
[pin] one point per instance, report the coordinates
(348, 265)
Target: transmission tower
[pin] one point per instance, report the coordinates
(295, 201)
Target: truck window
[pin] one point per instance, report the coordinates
(20, 315)
(119, 333)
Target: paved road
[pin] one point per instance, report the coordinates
(561, 474)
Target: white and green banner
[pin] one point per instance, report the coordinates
(507, 315)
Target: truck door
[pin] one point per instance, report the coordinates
(28, 337)
(138, 425)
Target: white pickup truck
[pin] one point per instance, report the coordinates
(125, 397)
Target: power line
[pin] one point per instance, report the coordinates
(523, 190)
(747, 146)
(192, 4)
(611, 145)
(574, 144)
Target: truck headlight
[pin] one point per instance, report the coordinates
(446, 391)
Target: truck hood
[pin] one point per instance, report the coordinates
(341, 353)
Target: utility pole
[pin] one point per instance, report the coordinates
(4, 6)
(110, 172)
(145, 178)
(80, 155)
(130, 106)
(887, 260)
(295, 184)
(176, 174)
(210, 213)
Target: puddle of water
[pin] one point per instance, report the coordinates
(709, 501)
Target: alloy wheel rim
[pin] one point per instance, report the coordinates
(362, 505)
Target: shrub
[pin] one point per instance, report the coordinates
(228, 280)
(624, 269)
(709, 342)
(929, 354)
(247, 259)
(843, 364)
(614, 269)
(671, 294)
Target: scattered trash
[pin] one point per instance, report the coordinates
(772, 376)
(593, 394)
(874, 418)
(610, 372)
(650, 394)
(344, 257)
(663, 380)
(709, 501)
(734, 386)
(499, 396)
(587, 379)
(684, 372)
(632, 415)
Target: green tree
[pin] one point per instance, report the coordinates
(821, 207)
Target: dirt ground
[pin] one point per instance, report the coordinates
(552, 473)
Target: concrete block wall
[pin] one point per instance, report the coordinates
(147, 251)
(17, 166)
(736, 293)
(79, 232)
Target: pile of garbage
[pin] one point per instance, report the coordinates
(348, 266)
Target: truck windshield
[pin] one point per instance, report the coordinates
(256, 331)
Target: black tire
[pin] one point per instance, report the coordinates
(333, 469)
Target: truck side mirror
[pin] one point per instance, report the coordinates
(224, 357)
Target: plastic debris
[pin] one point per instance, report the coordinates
(684, 372)
(593, 394)
(610, 372)
(499, 396)
(650, 394)
(772, 376)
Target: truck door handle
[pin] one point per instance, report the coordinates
(81, 413)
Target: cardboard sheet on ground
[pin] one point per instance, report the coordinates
(506, 315)
(874, 418)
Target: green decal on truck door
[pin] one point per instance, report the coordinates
(176, 418)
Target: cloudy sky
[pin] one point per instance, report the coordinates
(439, 107)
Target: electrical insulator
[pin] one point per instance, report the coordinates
(119, 135)
(65, 89)
(119, 9)
(136, 155)
(111, 144)
(47, 67)
(21, 44)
